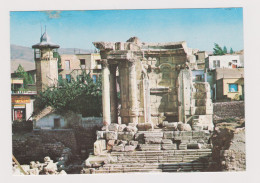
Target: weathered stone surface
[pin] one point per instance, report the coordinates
(110, 144)
(113, 127)
(126, 135)
(99, 147)
(111, 135)
(129, 148)
(150, 147)
(169, 146)
(183, 146)
(197, 127)
(118, 148)
(153, 134)
(194, 146)
(180, 126)
(131, 129)
(153, 140)
(121, 128)
(144, 126)
(186, 127)
(167, 135)
(100, 135)
(166, 141)
(133, 143)
(171, 126)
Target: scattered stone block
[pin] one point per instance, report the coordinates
(133, 143)
(171, 126)
(131, 129)
(183, 146)
(113, 127)
(180, 126)
(111, 135)
(129, 148)
(144, 126)
(126, 135)
(150, 147)
(197, 127)
(110, 144)
(121, 127)
(100, 135)
(194, 146)
(169, 146)
(167, 135)
(186, 127)
(99, 147)
(118, 148)
(153, 135)
(153, 140)
(166, 141)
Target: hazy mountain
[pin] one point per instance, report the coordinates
(24, 56)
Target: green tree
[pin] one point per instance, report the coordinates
(224, 49)
(81, 95)
(231, 51)
(218, 50)
(27, 78)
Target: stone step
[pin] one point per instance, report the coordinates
(195, 151)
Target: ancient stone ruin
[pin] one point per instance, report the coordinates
(163, 121)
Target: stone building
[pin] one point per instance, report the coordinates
(72, 65)
(46, 63)
(155, 83)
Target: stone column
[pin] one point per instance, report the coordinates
(133, 107)
(105, 93)
(124, 93)
(113, 93)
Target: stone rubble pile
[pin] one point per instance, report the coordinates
(169, 148)
(37, 168)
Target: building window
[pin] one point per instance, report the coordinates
(82, 63)
(214, 63)
(68, 78)
(218, 63)
(198, 77)
(94, 77)
(67, 65)
(234, 62)
(56, 122)
(233, 87)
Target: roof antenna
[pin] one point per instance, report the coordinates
(41, 29)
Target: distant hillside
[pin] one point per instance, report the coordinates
(24, 56)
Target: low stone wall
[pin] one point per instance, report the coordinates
(65, 136)
(22, 126)
(92, 122)
(232, 109)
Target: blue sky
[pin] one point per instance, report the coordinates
(201, 28)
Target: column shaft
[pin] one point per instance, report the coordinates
(113, 94)
(106, 94)
(133, 111)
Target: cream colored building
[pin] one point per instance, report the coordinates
(72, 65)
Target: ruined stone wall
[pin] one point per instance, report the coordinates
(162, 82)
(232, 109)
(228, 151)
